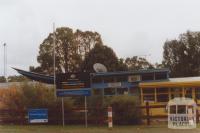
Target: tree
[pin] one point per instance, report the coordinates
(2, 79)
(181, 55)
(122, 65)
(101, 54)
(15, 78)
(71, 48)
(86, 41)
(136, 63)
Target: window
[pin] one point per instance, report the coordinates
(173, 109)
(122, 91)
(109, 91)
(121, 79)
(188, 92)
(162, 98)
(160, 76)
(181, 109)
(147, 91)
(149, 98)
(134, 91)
(197, 93)
(108, 79)
(97, 80)
(176, 92)
(190, 110)
(162, 90)
(162, 94)
(148, 94)
(147, 76)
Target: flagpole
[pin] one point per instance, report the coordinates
(5, 61)
(54, 66)
(54, 57)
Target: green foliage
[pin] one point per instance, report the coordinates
(136, 63)
(181, 55)
(97, 109)
(101, 54)
(71, 49)
(33, 95)
(2, 79)
(125, 109)
(122, 66)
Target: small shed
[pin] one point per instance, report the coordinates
(181, 113)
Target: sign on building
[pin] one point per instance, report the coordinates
(134, 78)
(73, 84)
(38, 115)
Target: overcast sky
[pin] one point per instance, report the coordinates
(130, 27)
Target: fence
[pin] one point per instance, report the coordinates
(76, 116)
(96, 116)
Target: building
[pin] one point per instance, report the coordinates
(153, 86)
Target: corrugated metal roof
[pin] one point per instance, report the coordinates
(173, 82)
(140, 71)
(184, 79)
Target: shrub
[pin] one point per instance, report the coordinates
(18, 99)
(125, 110)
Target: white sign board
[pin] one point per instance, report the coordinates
(114, 85)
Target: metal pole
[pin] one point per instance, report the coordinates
(5, 62)
(54, 67)
(63, 113)
(86, 123)
(54, 57)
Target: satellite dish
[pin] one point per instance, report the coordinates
(98, 67)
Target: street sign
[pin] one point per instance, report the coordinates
(38, 115)
(73, 84)
(74, 92)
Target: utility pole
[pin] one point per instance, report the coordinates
(5, 61)
(54, 67)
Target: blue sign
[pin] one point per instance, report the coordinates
(38, 115)
(74, 92)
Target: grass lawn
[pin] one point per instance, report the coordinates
(81, 129)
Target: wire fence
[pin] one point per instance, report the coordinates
(96, 116)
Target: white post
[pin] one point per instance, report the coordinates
(86, 124)
(110, 122)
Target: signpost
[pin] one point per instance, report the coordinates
(38, 115)
(73, 84)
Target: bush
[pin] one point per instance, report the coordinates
(18, 99)
(97, 110)
(125, 110)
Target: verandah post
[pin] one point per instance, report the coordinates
(147, 113)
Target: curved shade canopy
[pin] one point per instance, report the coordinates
(36, 76)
